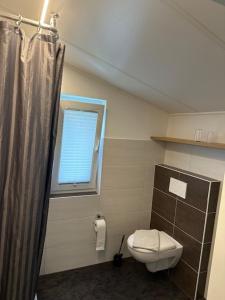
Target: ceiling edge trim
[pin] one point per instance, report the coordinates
(215, 113)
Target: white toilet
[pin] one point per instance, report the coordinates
(160, 260)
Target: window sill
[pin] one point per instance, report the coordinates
(72, 194)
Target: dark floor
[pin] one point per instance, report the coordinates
(105, 282)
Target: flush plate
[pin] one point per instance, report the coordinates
(178, 187)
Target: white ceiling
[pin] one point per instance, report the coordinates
(169, 52)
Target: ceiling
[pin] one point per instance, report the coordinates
(169, 52)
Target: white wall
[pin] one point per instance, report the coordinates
(204, 161)
(127, 179)
(216, 289)
(185, 124)
(128, 116)
(207, 162)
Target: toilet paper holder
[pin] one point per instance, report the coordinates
(100, 229)
(99, 217)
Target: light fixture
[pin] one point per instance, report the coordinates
(44, 11)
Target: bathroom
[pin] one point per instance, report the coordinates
(153, 74)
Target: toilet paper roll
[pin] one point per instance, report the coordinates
(100, 229)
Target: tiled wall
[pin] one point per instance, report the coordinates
(125, 201)
(190, 221)
(205, 161)
(201, 160)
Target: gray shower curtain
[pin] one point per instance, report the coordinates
(30, 81)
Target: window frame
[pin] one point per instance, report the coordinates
(77, 188)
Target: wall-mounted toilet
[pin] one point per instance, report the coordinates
(167, 256)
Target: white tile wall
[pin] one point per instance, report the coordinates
(125, 201)
(67, 232)
(115, 201)
(209, 162)
(120, 177)
(73, 207)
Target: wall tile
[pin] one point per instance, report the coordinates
(76, 255)
(125, 201)
(148, 185)
(119, 200)
(154, 153)
(126, 223)
(123, 177)
(185, 278)
(209, 164)
(191, 248)
(205, 257)
(197, 191)
(189, 173)
(161, 224)
(209, 227)
(190, 220)
(70, 231)
(191, 217)
(162, 178)
(164, 205)
(124, 152)
(201, 285)
(214, 195)
(177, 155)
(70, 256)
(65, 208)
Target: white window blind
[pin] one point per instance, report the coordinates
(77, 146)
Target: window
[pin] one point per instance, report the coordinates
(78, 153)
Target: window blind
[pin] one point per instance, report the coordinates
(77, 146)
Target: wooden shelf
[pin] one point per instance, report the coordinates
(188, 142)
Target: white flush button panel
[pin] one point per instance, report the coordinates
(178, 187)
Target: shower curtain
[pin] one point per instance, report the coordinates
(30, 81)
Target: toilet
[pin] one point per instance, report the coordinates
(157, 260)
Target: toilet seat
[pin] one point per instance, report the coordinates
(157, 260)
(165, 239)
(130, 242)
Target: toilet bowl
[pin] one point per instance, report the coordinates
(160, 260)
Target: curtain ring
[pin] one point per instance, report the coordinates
(39, 27)
(20, 19)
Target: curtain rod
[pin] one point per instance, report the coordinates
(20, 19)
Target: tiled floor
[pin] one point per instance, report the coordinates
(105, 282)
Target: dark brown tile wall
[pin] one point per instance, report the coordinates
(164, 205)
(209, 227)
(185, 278)
(214, 192)
(191, 250)
(197, 191)
(162, 178)
(201, 285)
(161, 224)
(190, 221)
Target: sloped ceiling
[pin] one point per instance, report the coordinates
(169, 52)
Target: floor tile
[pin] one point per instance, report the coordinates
(105, 282)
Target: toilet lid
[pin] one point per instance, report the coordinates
(166, 243)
